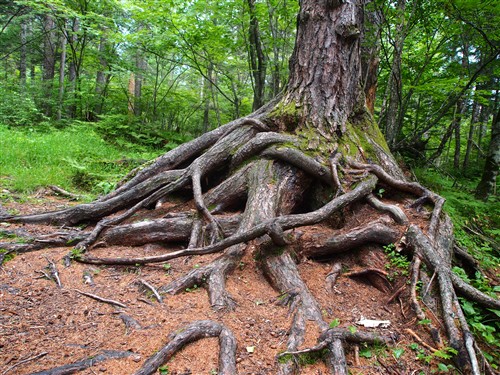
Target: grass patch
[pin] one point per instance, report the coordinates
(74, 158)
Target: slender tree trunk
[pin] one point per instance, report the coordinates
(206, 91)
(48, 68)
(258, 61)
(62, 70)
(102, 78)
(370, 48)
(476, 107)
(73, 68)
(140, 65)
(23, 53)
(492, 164)
(275, 84)
(395, 87)
(461, 108)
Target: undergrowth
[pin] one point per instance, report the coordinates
(75, 158)
(477, 230)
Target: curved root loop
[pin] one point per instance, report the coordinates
(193, 332)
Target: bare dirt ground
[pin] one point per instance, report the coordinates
(59, 326)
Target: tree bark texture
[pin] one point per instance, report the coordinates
(325, 67)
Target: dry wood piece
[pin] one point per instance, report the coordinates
(53, 273)
(419, 340)
(65, 193)
(332, 276)
(193, 332)
(130, 323)
(377, 277)
(101, 299)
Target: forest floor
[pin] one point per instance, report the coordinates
(59, 326)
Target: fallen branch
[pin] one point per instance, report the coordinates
(65, 193)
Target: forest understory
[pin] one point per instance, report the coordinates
(291, 253)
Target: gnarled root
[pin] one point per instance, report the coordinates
(193, 332)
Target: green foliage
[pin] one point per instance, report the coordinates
(398, 263)
(131, 134)
(20, 110)
(164, 370)
(304, 359)
(5, 256)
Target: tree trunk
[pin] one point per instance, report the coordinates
(49, 63)
(370, 48)
(476, 108)
(492, 164)
(23, 53)
(73, 70)
(396, 86)
(325, 68)
(258, 61)
(140, 65)
(62, 70)
(102, 78)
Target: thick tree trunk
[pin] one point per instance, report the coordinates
(325, 68)
(370, 48)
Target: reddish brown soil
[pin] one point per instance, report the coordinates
(38, 317)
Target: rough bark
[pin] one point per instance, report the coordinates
(326, 99)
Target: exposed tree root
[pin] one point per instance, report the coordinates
(193, 332)
(246, 184)
(85, 363)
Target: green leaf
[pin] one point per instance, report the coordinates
(398, 352)
(334, 323)
(366, 353)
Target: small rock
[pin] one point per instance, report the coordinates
(136, 358)
(102, 369)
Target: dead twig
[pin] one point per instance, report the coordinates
(100, 299)
(152, 289)
(54, 274)
(420, 341)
